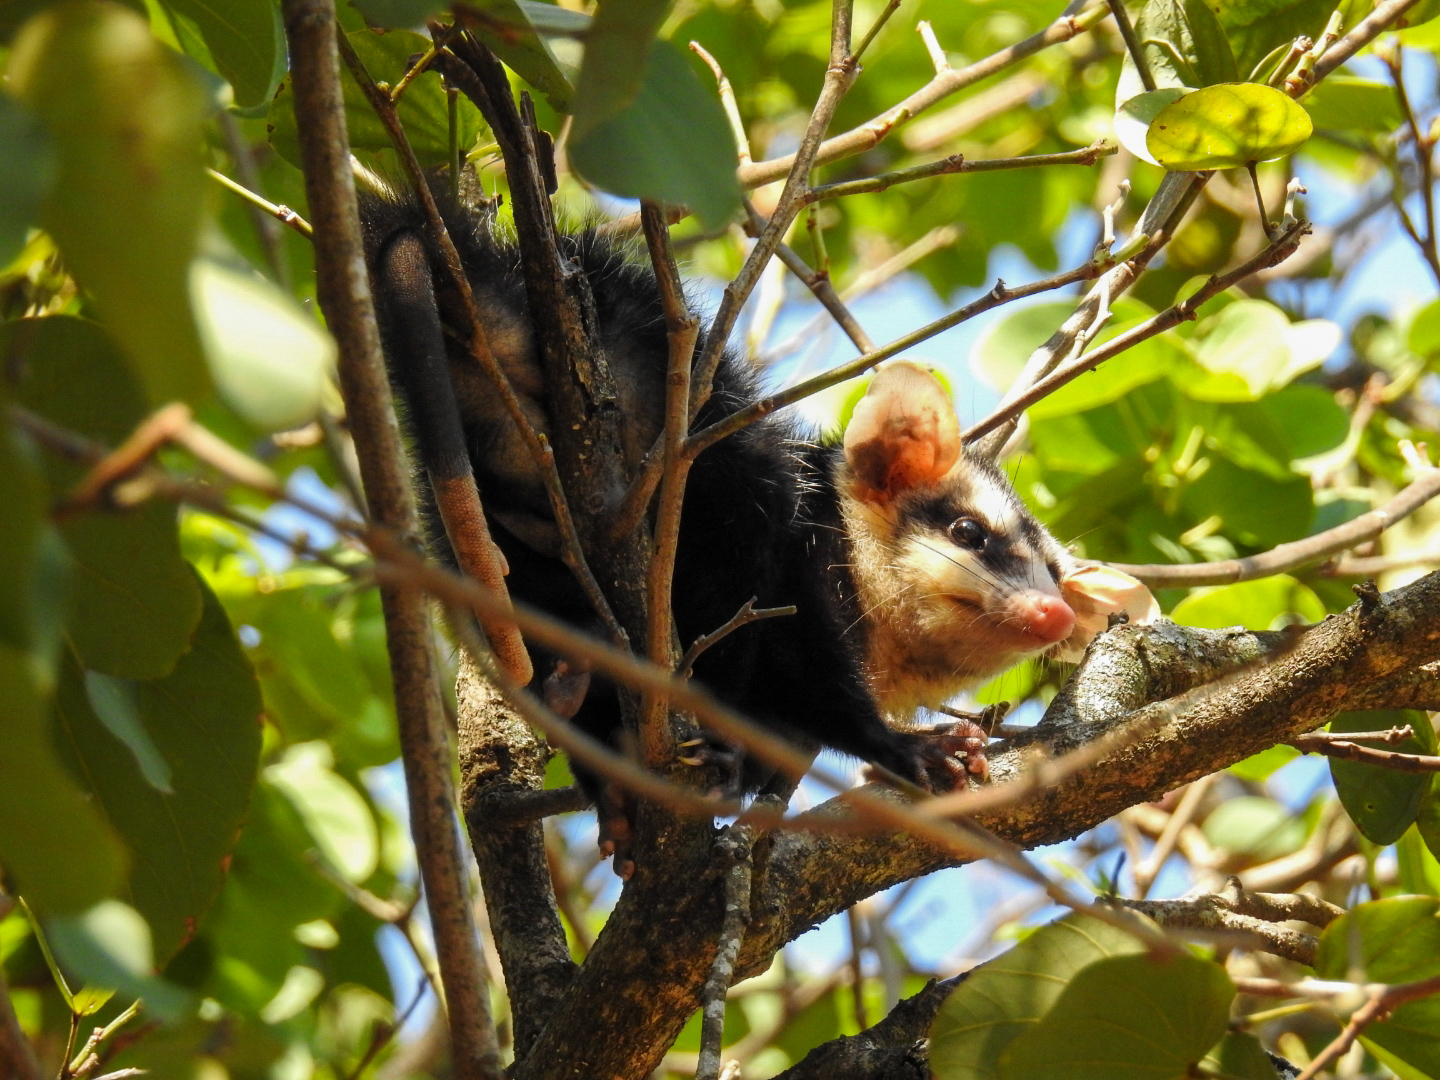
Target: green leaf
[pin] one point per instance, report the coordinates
(27, 171)
(1134, 117)
(56, 850)
(1348, 103)
(113, 702)
(127, 120)
(270, 359)
(1001, 349)
(423, 109)
(399, 14)
(1257, 27)
(509, 29)
(1427, 818)
(618, 55)
(203, 722)
(1256, 605)
(1419, 870)
(334, 812)
(245, 39)
(1008, 996)
(1254, 826)
(1225, 126)
(1382, 802)
(1254, 509)
(1238, 1056)
(671, 143)
(34, 567)
(136, 600)
(1424, 336)
(1396, 940)
(1184, 45)
(1260, 767)
(109, 946)
(1128, 1018)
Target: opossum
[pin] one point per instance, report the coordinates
(914, 568)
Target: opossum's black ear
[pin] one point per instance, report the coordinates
(904, 432)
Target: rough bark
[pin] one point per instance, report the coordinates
(643, 979)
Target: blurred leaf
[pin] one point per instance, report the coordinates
(509, 27)
(423, 110)
(401, 14)
(1427, 818)
(203, 719)
(34, 567)
(1007, 997)
(1133, 118)
(1225, 126)
(1424, 337)
(1419, 870)
(136, 600)
(672, 143)
(113, 702)
(1254, 826)
(1382, 802)
(42, 810)
(127, 120)
(619, 50)
(1238, 1056)
(27, 171)
(245, 39)
(1117, 377)
(1348, 103)
(270, 359)
(337, 817)
(1105, 1024)
(1001, 349)
(1265, 604)
(1255, 510)
(1248, 348)
(109, 946)
(1260, 767)
(1256, 27)
(1395, 940)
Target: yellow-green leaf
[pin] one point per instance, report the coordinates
(1225, 126)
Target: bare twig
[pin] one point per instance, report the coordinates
(1183, 814)
(1424, 160)
(279, 212)
(1383, 1001)
(1132, 43)
(1353, 751)
(1286, 557)
(747, 614)
(727, 101)
(1365, 31)
(735, 846)
(344, 294)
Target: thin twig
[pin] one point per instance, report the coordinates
(1132, 43)
(1287, 557)
(1183, 814)
(747, 614)
(1353, 751)
(735, 846)
(1424, 150)
(280, 213)
(1365, 31)
(956, 163)
(727, 102)
(875, 27)
(1277, 252)
(1383, 1001)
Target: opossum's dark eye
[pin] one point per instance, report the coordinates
(969, 533)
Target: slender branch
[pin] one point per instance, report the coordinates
(735, 846)
(1365, 31)
(1165, 320)
(1132, 43)
(1287, 557)
(875, 27)
(747, 614)
(344, 294)
(1424, 152)
(1211, 916)
(727, 102)
(1353, 751)
(1392, 736)
(1383, 1001)
(267, 228)
(281, 213)
(1069, 24)
(999, 295)
(1183, 814)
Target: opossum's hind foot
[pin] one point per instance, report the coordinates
(615, 815)
(707, 751)
(955, 753)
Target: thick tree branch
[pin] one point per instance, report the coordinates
(344, 294)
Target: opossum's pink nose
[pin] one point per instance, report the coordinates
(1047, 617)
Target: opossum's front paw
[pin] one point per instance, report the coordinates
(953, 754)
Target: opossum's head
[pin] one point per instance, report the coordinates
(957, 579)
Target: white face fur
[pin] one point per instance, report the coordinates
(957, 582)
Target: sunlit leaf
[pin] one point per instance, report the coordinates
(1348, 103)
(1133, 118)
(1264, 604)
(126, 118)
(334, 812)
(245, 40)
(1256, 27)
(1254, 826)
(109, 946)
(203, 722)
(1260, 767)
(1108, 1023)
(1008, 996)
(1382, 802)
(1228, 125)
(270, 360)
(1395, 940)
(671, 143)
(1424, 337)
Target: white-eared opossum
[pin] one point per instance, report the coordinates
(914, 568)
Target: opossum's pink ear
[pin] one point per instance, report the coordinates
(1096, 592)
(904, 432)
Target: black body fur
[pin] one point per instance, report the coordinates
(761, 513)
